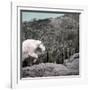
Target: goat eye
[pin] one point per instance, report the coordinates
(38, 49)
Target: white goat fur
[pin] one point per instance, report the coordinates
(29, 46)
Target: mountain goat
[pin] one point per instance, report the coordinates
(31, 49)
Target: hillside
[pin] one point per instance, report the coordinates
(60, 36)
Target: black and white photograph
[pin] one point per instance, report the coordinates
(50, 44)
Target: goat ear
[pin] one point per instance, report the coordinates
(39, 42)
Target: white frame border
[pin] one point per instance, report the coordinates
(15, 43)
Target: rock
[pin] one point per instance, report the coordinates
(45, 69)
(70, 67)
(75, 56)
(73, 64)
